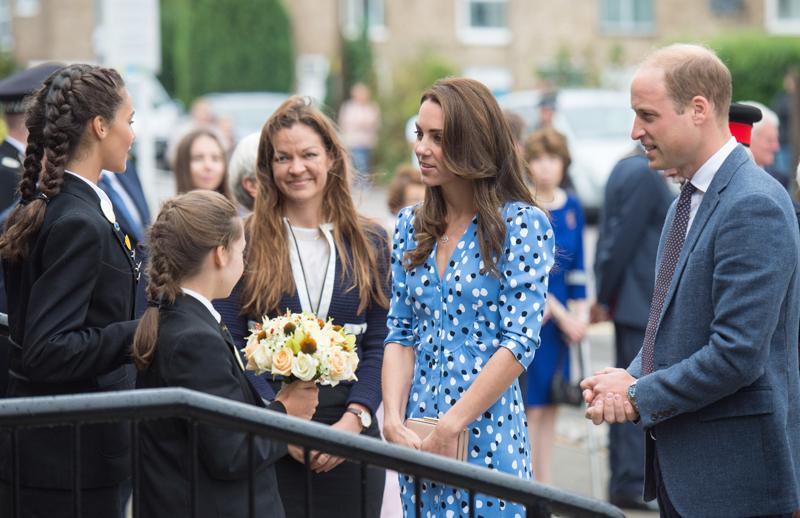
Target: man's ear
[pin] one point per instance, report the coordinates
(99, 127)
(701, 109)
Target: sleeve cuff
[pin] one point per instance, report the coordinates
(276, 406)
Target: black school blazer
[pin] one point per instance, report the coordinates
(70, 308)
(192, 353)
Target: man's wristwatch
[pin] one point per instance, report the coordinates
(632, 395)
(364, 417)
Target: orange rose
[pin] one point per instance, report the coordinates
(337, 363)
(282, 362)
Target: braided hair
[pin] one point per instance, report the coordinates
(56, 118)
(187, 228)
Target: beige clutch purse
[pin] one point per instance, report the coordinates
(423, 426)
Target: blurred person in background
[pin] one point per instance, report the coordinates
(565, 323)
(517, 125)
(309, 250)
(782, 105)
(405, 189)
(765, 142)
(547, 110)
(13, 91)
(359, 121)
(200, 163)
(242, 170)
(636, 202)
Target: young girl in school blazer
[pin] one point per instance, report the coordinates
(70, 283)
(196, 247)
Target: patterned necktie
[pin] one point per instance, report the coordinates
(669, 260)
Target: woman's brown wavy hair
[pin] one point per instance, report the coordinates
(268, 275)
(477, 145)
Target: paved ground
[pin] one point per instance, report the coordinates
(572, 463)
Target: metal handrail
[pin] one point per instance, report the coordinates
(179, 402)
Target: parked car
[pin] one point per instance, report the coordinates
(248, 111)
(597, 124)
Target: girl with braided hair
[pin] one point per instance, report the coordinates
(70, 282)
(196, 246)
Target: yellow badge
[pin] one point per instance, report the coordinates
(127, 241)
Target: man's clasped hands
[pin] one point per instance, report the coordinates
(606, 396)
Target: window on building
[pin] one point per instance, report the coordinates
(627, 16)
(26, 8)
(783, 16)
(726, 7)
(483, 22)
(356, 13)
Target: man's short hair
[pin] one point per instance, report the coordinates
(691, 70)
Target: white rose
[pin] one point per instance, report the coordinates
(304, 367)
(322, 338)
(352, 364)
(262, 358)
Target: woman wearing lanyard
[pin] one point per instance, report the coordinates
(309, 250)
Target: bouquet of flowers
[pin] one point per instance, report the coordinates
(301, 346)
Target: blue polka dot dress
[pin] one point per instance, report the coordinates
(455, 324)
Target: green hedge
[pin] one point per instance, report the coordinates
(757, 63)
(225, 46)
(409, 80)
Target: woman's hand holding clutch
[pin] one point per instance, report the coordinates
(442, 443)
(398, 433)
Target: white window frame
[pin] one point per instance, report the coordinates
(352, 13)
(776, 25)
(485, 36)
(27, 8)
(6, 27)
(626, 25)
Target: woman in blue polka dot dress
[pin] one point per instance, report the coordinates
(469, 277)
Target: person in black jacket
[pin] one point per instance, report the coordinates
(70, 281)
(196, 247)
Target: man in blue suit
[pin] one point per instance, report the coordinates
(133, 215)
(636, 202)
(716, 384)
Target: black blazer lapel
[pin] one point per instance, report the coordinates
(78, 188)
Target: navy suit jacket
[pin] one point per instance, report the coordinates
(722, 400)
(637, 199)
(133, 187)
